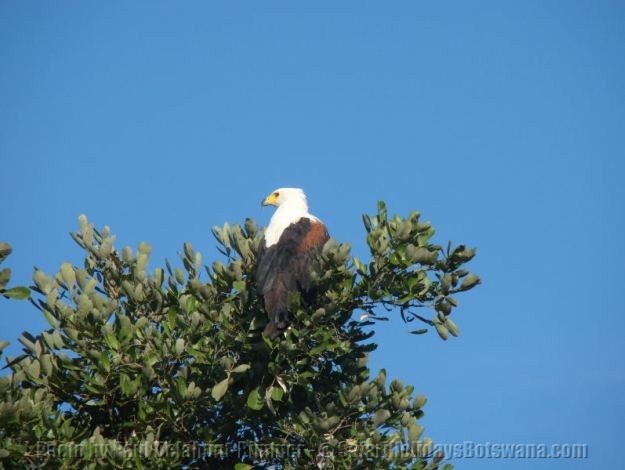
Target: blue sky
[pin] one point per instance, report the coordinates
(502, 122)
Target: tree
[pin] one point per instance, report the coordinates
(168, 367)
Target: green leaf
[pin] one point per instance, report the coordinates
(105, 362)
(293, 301)
(124, 384)
(106, 248)
(68, 274)
(423, 237)
(111, 339)
(171, 318)
(18, 293)
(220, 389)
(419, 332)
(381, 416)
(5, 250)
(179, 347)
(3, 344)
(419, 401)
(451, 326)
(145, 248)
(254, 400)
(53, 322)
(463, 254)
(366, 220)
(242, 466)
(470, 281)
(441, 330)
(414, 432)
(5, 276)
(277, 393)
(241, 368)
(142, 262)
(421, 255)
(382, 210)
(250, 227)
(35, 369)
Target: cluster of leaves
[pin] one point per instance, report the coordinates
(162, 369)
(407, 272)
(19, 292)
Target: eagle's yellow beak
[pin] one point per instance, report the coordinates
(271, 200)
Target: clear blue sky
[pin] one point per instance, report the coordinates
(502, 122)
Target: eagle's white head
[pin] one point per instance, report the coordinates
(292, 197)
(291, 206)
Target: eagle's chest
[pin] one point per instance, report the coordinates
(278, 225)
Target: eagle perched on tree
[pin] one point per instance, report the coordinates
(286, 255)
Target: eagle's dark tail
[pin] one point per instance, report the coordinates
(276, 325)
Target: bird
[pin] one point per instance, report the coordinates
(287, 255)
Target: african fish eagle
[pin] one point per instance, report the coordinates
(287, 254)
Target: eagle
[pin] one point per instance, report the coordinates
(287, 255)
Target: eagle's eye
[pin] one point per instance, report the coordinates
(276, 194)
